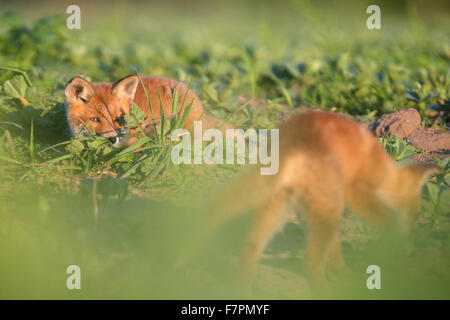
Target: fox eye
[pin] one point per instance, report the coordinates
(94, 119)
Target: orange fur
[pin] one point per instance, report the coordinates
(100, 107)
(327, 162)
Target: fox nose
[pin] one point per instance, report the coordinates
(113, 140)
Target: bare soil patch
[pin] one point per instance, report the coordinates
(406, 124)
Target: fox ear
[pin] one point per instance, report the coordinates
(421, 172)
(78, 89)
(125, 88)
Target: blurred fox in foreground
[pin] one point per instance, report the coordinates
(327, 162)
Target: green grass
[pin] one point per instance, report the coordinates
(124, 214)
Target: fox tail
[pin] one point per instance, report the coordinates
(245, 192)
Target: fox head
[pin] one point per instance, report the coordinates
(99, 108)
(406, 192)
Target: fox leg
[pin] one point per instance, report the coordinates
(368, 205)
(336, 263)
(264, 226)
(375, 208)
(323, 226)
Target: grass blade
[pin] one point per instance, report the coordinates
(6, 159)
(32, 142)
(173, 121)
(149, 104)
(161, 116)
(64, 157)
(185, 114)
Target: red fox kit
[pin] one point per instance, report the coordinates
(327, 162)
(100, 107)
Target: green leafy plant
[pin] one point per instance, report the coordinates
(399, 149)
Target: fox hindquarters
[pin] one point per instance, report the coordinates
(326, 163)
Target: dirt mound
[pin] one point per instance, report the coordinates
(407, 124)
(401, 123)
